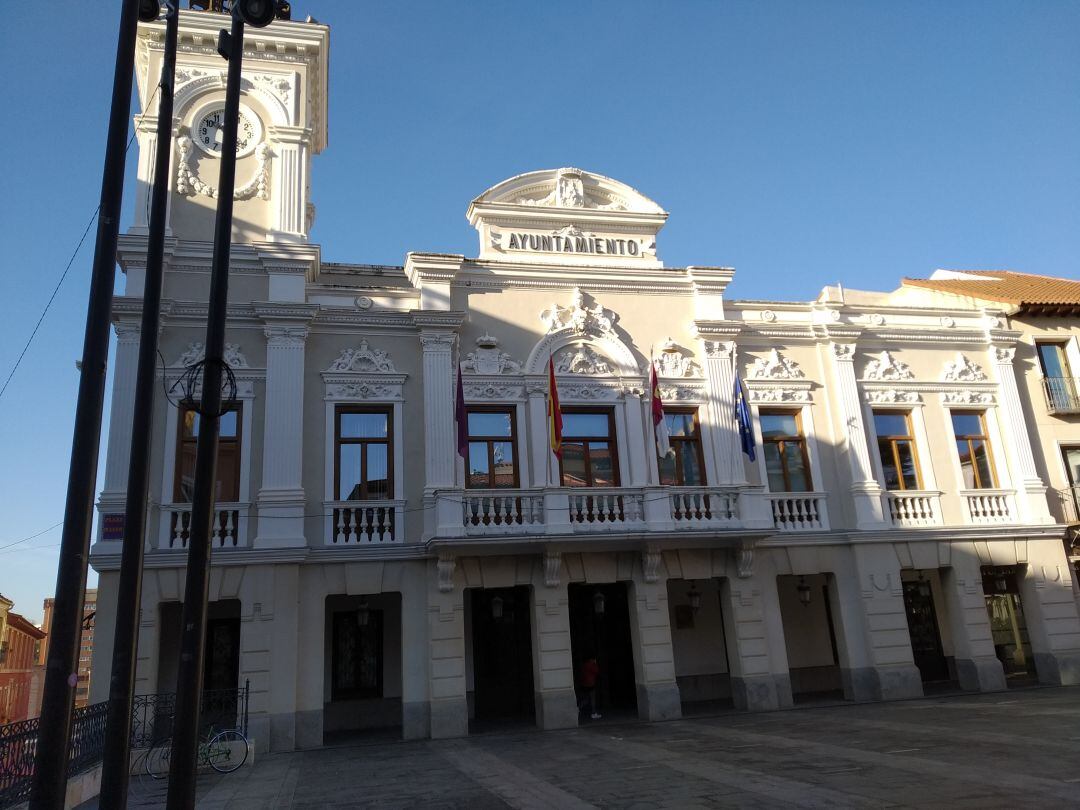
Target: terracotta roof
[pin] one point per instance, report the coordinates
(1023, 290)
(22, 624)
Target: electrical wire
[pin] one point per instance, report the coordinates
(31, 537)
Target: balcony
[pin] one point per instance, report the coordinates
(988, 507)
(229, 530)
(1068, 499)
(912, 508)
(1062, 394)
(798, 511)
(364, 523)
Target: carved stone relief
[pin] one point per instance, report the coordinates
(887, 367)
(364, 359)
(488, 359)
(579, 317)
(775, 367)
(581, 359)
(963, 370)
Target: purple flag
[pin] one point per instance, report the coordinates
(462, 420)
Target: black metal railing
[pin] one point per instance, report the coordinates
(151, 721)
(1062, 394)
(1069, 504)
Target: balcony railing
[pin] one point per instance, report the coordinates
(500, 511)
(701, 507)
(989, 506)
(914, 508)
(364, 523)
(601, 509)
(1069, 504)
(798, 511)
(229, 529)
(1062, 394)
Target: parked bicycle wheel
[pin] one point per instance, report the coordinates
(227, 751)
(157, 760)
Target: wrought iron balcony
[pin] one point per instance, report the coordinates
(1069, 505)
(1062, 394)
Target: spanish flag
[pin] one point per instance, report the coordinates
(554, 412)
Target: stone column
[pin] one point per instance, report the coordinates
(977, 666)
(283, 583)
(415, 709)
(539, 449)
(553, 667)
(1050, 612)
(1030, 489)
(440, 445)
(760, 679)
(310, 649)
(124, 371)
(726, 466)
(446, 652)
(650, 631)
(865, 490)
(146, 132)
(281, 497)
(639, 440)
(289, 180)
(876, 661)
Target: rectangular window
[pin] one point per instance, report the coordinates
(357, 663)
(686, 468)
(589, 457)
(363, 457)
(896, 448)
(492, 448)
(1062, 393)
(973, 448)
(227, 488)
(786, 462)
(1053, 361)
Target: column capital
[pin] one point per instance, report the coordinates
(843, 352)
(719, 349)
(285, 336)
(127, 331)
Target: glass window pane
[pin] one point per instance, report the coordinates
(585, 424)
(378, 485)
(797, 473)
(966, 466)
(478, 464)
(603, 469)
(1052, 357)
(573, 465)
(1072, 462)
(504, 463)
(489, 424)
(779, 424)
(191, 424)
(363, 425)
(888, 464)
(967, 424)
(774, 468)
(227, 425)
(908, 471)
(680, 424)
(349, 472)
(892, 423)
(691, 469)
(667, 471)
(228, 472)
(982, 462)
(186, 474)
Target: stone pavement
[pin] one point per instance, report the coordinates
(1008, 749)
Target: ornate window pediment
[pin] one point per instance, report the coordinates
(581, 359)
(962, 370)
(197, 351)
(364, 359)
(886, 367)
(674, 361)
(363, 374)
(775, 367)
(579, 317)
(488, 359)
(582, 327)
(243, 372)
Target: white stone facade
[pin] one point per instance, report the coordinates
(733, 589)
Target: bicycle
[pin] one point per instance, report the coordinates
(224, 751)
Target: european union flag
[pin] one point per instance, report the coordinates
(742, 419)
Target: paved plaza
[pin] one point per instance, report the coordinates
(1013, 749)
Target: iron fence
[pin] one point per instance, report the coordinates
(151, 721)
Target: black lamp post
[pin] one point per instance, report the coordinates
(182, 764)
(49, 785)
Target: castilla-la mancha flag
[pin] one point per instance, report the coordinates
(554, 412)
(663, 439)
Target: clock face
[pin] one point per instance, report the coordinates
(209, 131)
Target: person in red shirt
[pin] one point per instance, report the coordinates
(590, 674)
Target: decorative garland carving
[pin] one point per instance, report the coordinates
(364, 359)
(963, 370)
(892, 397)
(968, 397)
(188, 182)
(196, 351)
(775, 367)
(887, 367)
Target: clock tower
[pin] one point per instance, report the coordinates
(282, 124)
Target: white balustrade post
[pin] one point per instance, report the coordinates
(124, 371)
(289, 182)
(281, 497)
(726, 466)
(1031, 491)
(865, 490)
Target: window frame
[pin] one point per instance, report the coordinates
(346, 408)
(893, 439)
(236, 406)
(968, 437)
(376, 618)
(803, 444)
(696, 438)
(1063, 348)
(511, 411)
(612, 440)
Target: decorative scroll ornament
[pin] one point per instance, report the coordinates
(892, 397)
(364, 359)
(744, 562)
(775, 395)
(673, 362)
(968, 397)
(188, 182)
(552, 564)
(680, 393)
(493, 391)
(487, 359)
(362, 390)
(650, 564)
(581, 359)
(775, 367)
(569, 192)
(963, 370)
(445, 571)
(887, 367)
(196, 351)
(582, 319)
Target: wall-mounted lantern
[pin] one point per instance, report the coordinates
(804, 592)
(497, 608)
(363, 613)
(694, 596)
(598, 603)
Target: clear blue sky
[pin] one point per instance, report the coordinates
(802, 143)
